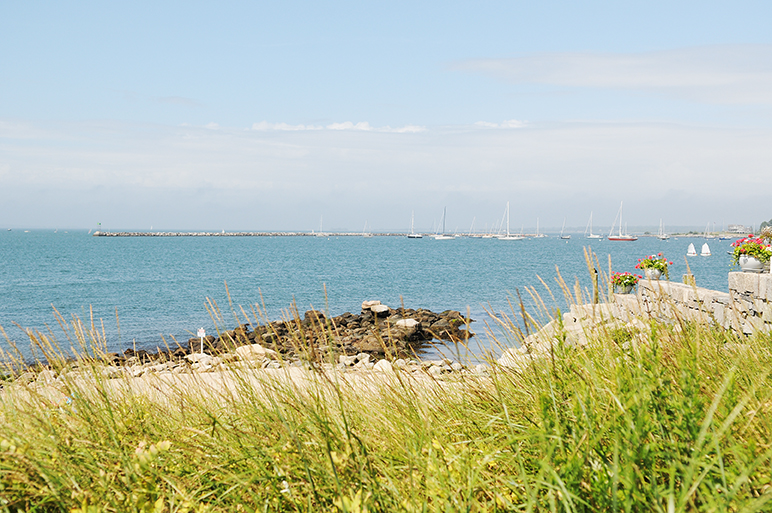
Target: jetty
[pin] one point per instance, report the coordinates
(241, 234)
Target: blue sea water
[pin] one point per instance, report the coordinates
(159, 285)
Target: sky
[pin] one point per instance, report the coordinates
(248, 115)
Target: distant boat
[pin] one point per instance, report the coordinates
(539, 235)
(509, 236)
(589, 228)
(441, 235)
(705, 250)
(691, 251)
(662, 235)
(620, 236)
(564, 237)
(365, 233)
(413, 234)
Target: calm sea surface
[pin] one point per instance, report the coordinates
(160, 285)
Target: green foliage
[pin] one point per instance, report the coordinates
(670, 418)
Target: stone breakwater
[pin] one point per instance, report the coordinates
(240, 234)
(745, 309)
(378, 339)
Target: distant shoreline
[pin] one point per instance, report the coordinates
(353, 234)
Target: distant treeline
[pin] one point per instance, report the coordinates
(764, 224)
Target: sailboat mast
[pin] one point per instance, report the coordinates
(507, 219)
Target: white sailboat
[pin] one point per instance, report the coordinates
(442, 235)
(589, 228)
(509, 236)
(365, 233)
(539, 235)
(413, 234)
(705, 250)
(662, 235)
(624, 237)
(691, 251)
(564, 237)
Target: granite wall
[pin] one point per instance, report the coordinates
(746, 308)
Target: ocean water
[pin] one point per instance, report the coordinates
(159, 285)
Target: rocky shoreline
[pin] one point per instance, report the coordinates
(378, 338)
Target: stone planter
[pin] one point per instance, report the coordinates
(750, 264)
(652, 274)
(620, 289)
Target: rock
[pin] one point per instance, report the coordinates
(367, 305)
(457, 367)
(314, 317)
(383, 366)
(380, 310)
(46, 377)
(255, 352)
(348, 361)
(363, 357)
(195, 357)
(435, 370)
(407, 323)
(370, 343)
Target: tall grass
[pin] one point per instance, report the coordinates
(677, 418)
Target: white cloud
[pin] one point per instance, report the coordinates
(279, 179)
(733, 74)
(212, 126)
(285, 127)
(407, 129)
(512, 123)
(348, 125)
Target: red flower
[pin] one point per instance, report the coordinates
(659, 254)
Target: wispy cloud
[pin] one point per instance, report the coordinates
(512, 123)
(284, 127)
(363, 126)
(731, 74)
(288, 175)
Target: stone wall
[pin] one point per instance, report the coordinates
(746, 308)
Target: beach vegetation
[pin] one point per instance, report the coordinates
(673, 417)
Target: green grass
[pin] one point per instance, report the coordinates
(678, 421)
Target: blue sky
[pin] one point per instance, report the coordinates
(250, 115)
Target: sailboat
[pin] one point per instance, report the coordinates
(691, 251)
(413, 234)
(441, 235)
(538, 235)
(662, 235)
(365, 233)
(564, 237)
(705, 250)
(509, 236)
(589, 228)
(620, 236)
(472, 234)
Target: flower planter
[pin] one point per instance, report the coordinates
(750, 264)
(652, 274)
(619, 289)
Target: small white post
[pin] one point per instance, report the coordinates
(201, 334)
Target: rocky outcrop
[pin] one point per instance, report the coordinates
(377, 330)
